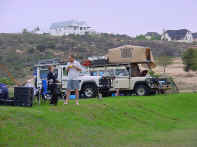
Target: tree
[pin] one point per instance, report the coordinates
(154, 37)
(37, 29)
(25, 31)
(164, 61)
(190, 59)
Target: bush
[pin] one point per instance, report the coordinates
(6, 81)
(190, 59)
(153, 74)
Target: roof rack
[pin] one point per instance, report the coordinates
(117, 64)
(47, 62)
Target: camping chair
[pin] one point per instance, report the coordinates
(44, 92)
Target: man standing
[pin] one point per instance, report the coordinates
(52, 85)
(73, 68)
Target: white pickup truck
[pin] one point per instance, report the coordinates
(89, 85)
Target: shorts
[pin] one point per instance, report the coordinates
(73, 84)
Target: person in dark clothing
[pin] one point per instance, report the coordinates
(52, 85)
(144, 73)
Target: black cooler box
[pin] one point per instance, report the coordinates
(23, 96)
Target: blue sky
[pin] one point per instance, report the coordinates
(130, 17)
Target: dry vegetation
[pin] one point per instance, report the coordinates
(186, 81)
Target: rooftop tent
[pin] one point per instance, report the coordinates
(131, 54)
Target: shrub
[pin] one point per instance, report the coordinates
(190, 59)
(6, 81)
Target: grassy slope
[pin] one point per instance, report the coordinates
(111, 122)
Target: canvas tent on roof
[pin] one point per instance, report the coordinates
(131, 54)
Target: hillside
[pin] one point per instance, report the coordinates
(20, 51)
(155, 121)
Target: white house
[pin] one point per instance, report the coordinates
(194, 36)
(70, 27)
(182, 35)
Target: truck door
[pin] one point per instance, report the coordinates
(122, 79)
(122, 82)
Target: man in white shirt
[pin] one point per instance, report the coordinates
(73, 68)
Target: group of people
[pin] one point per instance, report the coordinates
(73, 69)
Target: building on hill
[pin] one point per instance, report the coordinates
(70, 27)
(194, 37)
(152, 35)
(182, 35)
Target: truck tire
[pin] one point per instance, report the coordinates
(142, 90)
(89, 90)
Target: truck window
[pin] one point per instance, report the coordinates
(101, 72)
(84, 73)
(93, 73)
(121, 72)
(135, 70)
(110, 72)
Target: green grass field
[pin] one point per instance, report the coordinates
(155, 121)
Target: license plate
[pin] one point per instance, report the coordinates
(1, 91)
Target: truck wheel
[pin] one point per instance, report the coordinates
(89, 91)
(141, 90)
